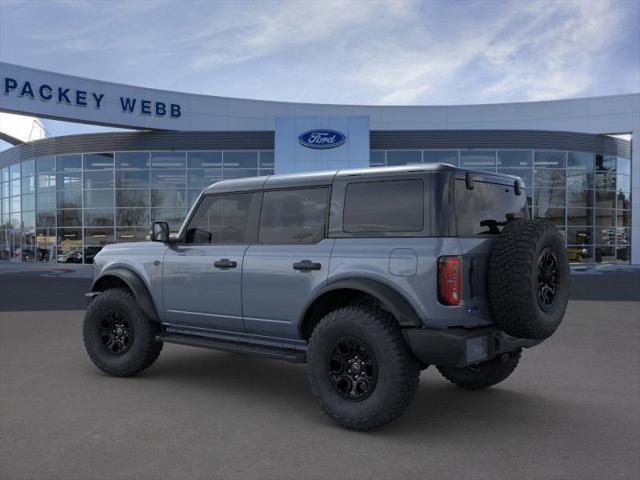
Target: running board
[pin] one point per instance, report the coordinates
(278, 353)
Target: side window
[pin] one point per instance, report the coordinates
(221, 219)
(293, 216)
(386, 206)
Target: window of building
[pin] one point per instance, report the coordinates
(133, 217)
(223, 219)
(582, 160)
(98, 161)
(173, 216)
(98, 199)
(98, 179)
(549, 159)
(169, 198)
(169, 179)
(66, 199)
(267, 162)
(204, 159)
(95, 217)
(132, 179)
(440, 156)
(168, 160)
(43, 165)
(403, 157)
(69, 162)
(139, 160)
(548, 178)
(623, 166)
(202, 178)
(377, 158)
(385, 206)
(133, 198)
(478, 159)
(69, 180)
(240, 160)
(28, 168)
(515, 158)
(293, 216)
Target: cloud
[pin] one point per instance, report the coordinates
(286, 26)
(374, 52)
(532, 51)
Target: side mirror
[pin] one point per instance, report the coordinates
(159, 232)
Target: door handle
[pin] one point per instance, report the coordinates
(306, 265)
(225, 263)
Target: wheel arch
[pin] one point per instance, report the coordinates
(346, 291)
(123, 277)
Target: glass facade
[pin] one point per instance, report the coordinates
(66, 208)
(586, 195)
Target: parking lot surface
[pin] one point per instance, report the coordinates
(570, 411)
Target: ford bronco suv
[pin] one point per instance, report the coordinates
(366, 275)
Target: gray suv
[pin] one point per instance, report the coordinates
(366, 275)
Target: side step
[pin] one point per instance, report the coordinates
(278, 353)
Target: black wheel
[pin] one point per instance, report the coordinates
(360, 369)
(529, 279)
(484, 374)
(118, 337)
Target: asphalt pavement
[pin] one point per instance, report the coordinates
(570, 411)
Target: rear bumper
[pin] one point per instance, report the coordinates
(460, 347)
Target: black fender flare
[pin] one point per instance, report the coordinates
(135, 284)
(392, 301)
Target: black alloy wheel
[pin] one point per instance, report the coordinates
(547, 279)
(116, 332)
(353, 369)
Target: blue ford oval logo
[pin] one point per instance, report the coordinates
(322, 138)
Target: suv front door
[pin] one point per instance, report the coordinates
(202, 274)
(289, 261)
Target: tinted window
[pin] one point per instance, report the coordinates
(222, 219)
(486, 202)
(391, 206)
(293, 216)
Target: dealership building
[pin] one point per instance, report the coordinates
(63, 198)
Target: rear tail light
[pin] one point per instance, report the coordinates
(449, 285)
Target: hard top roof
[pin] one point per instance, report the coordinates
(310, 179)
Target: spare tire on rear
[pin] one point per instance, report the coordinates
(529, 279)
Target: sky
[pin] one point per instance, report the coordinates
(396, 52)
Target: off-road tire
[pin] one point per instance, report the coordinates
(484, 374)
(397, 369)
(514, 279)
(143, 350)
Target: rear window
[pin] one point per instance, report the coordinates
(480, 210)
(386, 206)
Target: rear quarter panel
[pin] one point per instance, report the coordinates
(376, 259)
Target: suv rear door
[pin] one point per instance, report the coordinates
(202, 274)
(289, 260)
